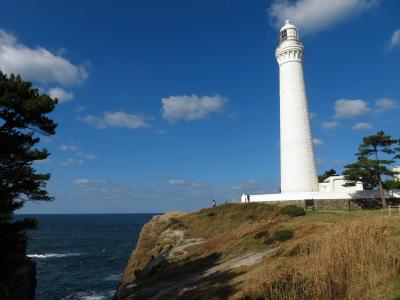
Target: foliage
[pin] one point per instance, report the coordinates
(283, 235)
(326, 174)
(22, 118)
(292, 211)
(261, 234)
(280, 236)
(391, 184)
(369, 167)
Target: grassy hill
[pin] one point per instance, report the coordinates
(261, 251)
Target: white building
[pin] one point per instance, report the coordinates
(397, 176)
(337, 184)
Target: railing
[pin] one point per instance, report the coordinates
(394, 208)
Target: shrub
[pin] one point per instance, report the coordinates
(292, 211)
(269, 241)
(261, 234)
(251, 218)
(283, 235)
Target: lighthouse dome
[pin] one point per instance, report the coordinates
(289, 32)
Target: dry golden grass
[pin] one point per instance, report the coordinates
(346, 262)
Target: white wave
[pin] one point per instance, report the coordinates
(112, 277)
(89, 296)
(48, 255)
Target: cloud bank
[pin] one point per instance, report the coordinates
(118, 119)
(362, 126)
(394, 40)
(37, 64)
(189, 108)
(315, 15)
(61, 94)
(348, 108)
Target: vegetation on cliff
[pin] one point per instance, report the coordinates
(257, 251)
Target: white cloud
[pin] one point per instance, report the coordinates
(90, 156)
(117, 119)
(362, 126)
(318, 142)
(37, 64)
(330, 125)
(385, 104)
(395, 39)
(88, 182)
(79, 155)
(80, 108)
(61, 94)
(72, 161)
(190, 108)
(43, 161)
(71, 148)
(315, 15)
(81, 181)
(179, 182)
(312, 115)
(347, 108)
(323, 161)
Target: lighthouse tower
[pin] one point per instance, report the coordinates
(298, 172)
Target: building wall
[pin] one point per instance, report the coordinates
(337, 184)
(397, 176)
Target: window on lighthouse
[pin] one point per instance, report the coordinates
(283, 35)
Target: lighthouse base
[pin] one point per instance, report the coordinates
(301, 196)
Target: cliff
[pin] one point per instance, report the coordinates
(260, 251)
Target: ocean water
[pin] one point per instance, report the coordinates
(82, 256)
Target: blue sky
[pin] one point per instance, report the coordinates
(166, 105)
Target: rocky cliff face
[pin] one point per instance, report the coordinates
(17, 277)
(181, 255)
(260, 251)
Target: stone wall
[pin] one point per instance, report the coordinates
(321, 204)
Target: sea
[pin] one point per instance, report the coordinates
(82, 257)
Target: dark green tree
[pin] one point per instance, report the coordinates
(391, 184)
(22, 119)
(370, 167)
(326, 174)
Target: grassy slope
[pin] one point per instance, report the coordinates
(334, 254)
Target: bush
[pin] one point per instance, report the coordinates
(283, 235)
(269, 241)
(251, 218)
(261, 234)
(292, 211)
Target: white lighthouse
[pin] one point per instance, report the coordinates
(299, 180)
(298, 172)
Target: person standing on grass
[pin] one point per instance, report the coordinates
(248, 198)
(214, 203)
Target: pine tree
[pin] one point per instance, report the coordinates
(22, 119)
(370, 168)
(326, 174)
